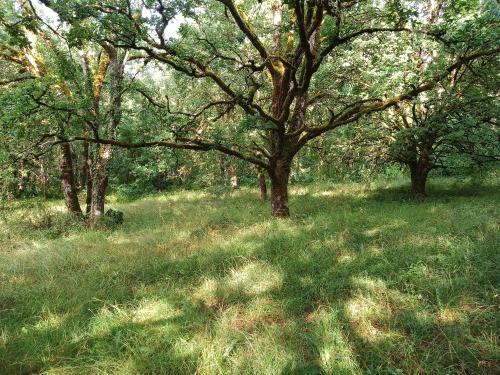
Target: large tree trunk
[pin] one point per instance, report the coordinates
(419, 173)
(68, 180)
(280, 174)
(262, 184)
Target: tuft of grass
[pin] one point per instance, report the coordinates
(359, 280)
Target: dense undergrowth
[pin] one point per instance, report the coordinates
(358, 280)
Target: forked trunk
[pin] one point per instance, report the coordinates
(280, 174)
(68, 180)
(100, 169)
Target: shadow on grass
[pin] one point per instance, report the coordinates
(436, 191)
(352, 286)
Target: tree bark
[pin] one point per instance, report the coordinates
(87, 176)
(280, 173)
(68, 180)
(100, 170)
(44, 180)
(83, 172)
(262, 184)
(419, 173)
(100, 182)
(233, 177)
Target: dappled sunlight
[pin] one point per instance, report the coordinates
(251, 231)
(336, 355)
(107, 318)
(299, 191)
(251, 279)
(306, 281)
(424, 317)
(375, 286)
(241, 192)
(34, 246)
(150, 237)
(382, 229)
(448, 316)
(58, 208)
(18, 279)
(113, 316)
(346, 257)
(375, 250)
(19, 257)
(99, 365)
(244, 337)
(326, 194)
(341, 193)
(337, 240)
(50, 320)
(180, 196)
(420, 240)
(4, 337)
(372, 308)
(255, 278)
(207, 292)
(361, 307)
(367, 332)
(251, 239)
(193, 285)
(151, 310)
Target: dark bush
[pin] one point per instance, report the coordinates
(115, 217)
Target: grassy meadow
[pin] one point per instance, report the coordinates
(360, 280)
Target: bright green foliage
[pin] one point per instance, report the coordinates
(362, 279)
(162, 101)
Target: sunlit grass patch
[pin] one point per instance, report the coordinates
(359, 280)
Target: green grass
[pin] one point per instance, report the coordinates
(358, 281)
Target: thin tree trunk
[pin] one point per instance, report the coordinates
(100, 182)
(44, 180)
(21, 182)
(88, 197)
(222, 167)
(233, 177)
(83, 171)
(86, 173)
(262, 184)
(68, 180)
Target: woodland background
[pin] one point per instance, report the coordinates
(249, 187)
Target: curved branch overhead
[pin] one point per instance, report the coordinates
(254, 80)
